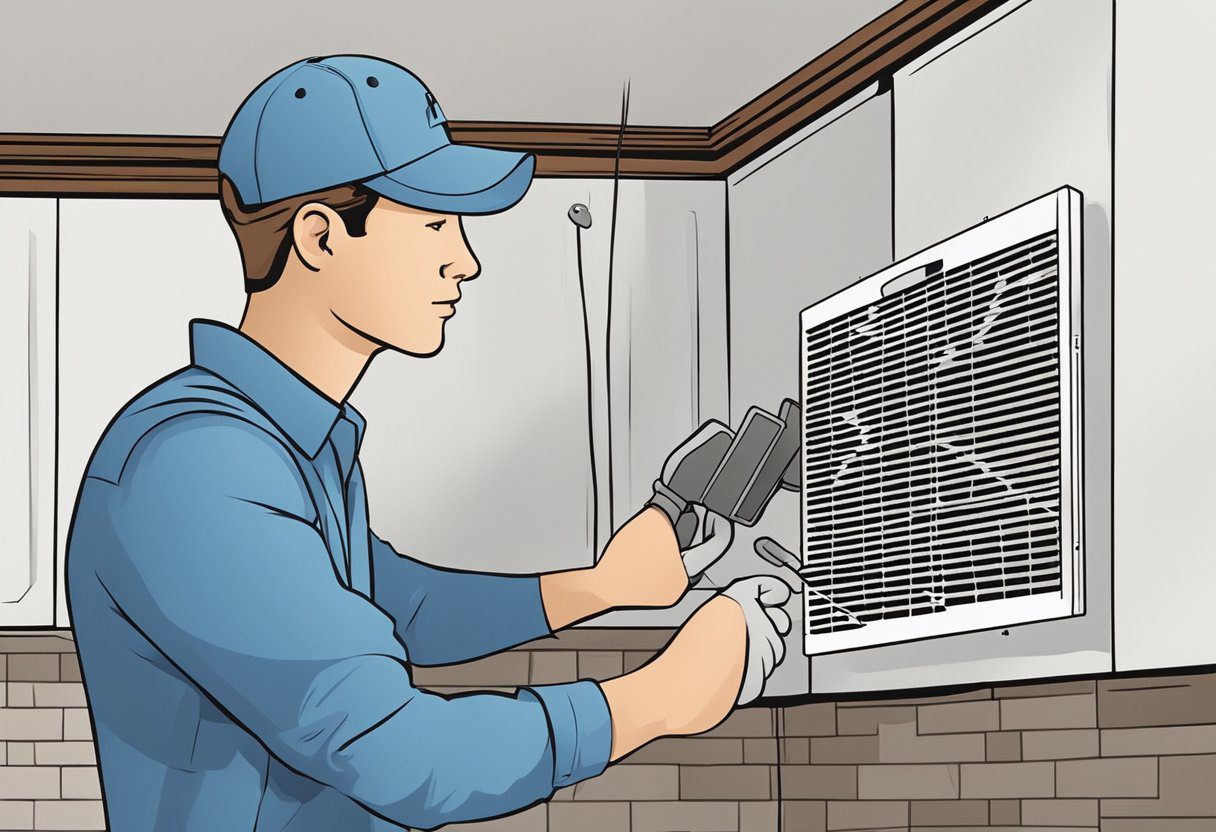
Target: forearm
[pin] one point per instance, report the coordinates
(689, 688)
(582, 593)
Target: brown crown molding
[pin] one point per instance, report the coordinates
(177, 166)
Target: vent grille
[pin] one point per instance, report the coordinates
(933, 447)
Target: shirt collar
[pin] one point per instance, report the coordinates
(300, 410)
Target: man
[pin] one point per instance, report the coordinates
(245, 638)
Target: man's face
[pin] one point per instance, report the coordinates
(398, 284)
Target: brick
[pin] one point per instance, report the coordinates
(1118, 777)
(901, 744)
(819, 782)
(745, 722)
(907, 782)
(690, 751)
(949, 812)
(69, 667)
(1005, 812)
(1003, 746)
(1049, 689)
(65, 754)
(855, 749)
(69, 814)
(813, 720)
(1079, 711)
(959, 718)
(3, 695)
(33, 667)
(54, 643)
(550, 667)
(509, 668)
(867, 720)
(3, 667)
(1008, 780)
(20, 753)
(589, 817)
(1159, 701)
(794, 751)
(686, 816)
(1060, 745)
(59, 695)
(632, 783)
(803, 815)
(605, 638)
(31, 724)
(1188, 789)
(1156, 825)
(761, 816)
(16, 814)
(76, 724)
(3, 754)
(81, 783)
(1135, 742)
(725, 783)
(1060, 812)
(599, 665)
(20, 694)
(866, 814)
(633, 659)
(28, 782)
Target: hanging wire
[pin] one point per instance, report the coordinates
(616, 186)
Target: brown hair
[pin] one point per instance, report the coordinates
(263, 232)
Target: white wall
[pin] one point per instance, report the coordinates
(1165, 352)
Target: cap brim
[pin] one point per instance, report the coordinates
(459, 179)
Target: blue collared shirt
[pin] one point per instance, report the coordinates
(246, 640)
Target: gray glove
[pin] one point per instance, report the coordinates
(711, 538)
(761, 599)
(686, 475)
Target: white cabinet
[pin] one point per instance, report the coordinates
(1165, 398)
(1008, 110)
(132, 274)
(27, 416)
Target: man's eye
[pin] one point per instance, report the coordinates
(438, 224)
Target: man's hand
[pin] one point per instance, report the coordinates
(685, 476)
(720, 658)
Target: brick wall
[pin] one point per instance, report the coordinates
(1128, 754)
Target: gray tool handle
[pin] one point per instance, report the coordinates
(773, 552)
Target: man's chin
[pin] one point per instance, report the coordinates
(418, 348)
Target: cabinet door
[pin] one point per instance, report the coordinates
(27, 419)
(133, 273)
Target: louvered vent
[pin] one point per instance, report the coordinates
(938, 456)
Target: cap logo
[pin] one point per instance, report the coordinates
(434, 115)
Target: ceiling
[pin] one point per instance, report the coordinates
(180, 67)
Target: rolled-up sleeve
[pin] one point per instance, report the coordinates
(212, 555)
(432, 607)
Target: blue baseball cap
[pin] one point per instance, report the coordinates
(324, 122)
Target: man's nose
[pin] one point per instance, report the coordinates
(464, 264)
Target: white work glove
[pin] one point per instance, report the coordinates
(761, 599)
(711, 539)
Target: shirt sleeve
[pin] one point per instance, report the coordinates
(432, 607)
(210, 552)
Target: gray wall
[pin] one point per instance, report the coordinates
(182, 66)
(1165, 291)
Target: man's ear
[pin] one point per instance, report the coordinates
(312, 231)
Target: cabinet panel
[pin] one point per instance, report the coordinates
(133, 273)
(1008, 110)
(27, 419)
